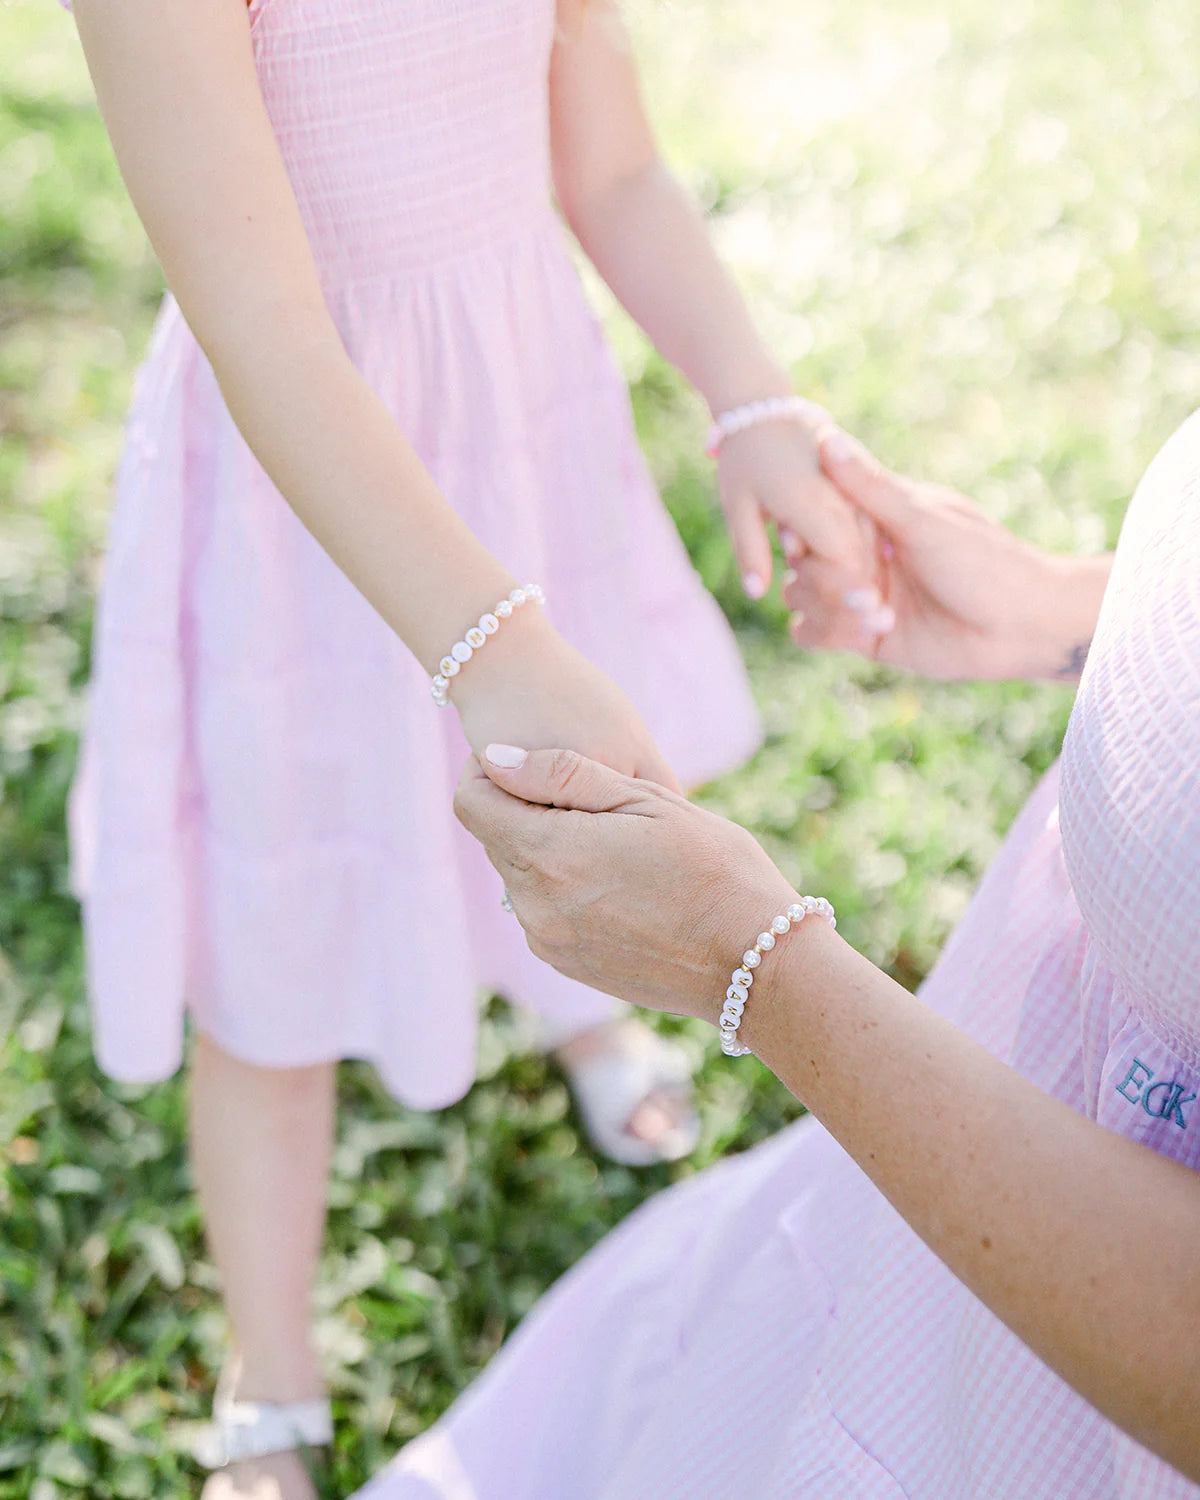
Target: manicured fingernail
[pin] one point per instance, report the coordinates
(507, 757)
(881, 621)
(789, 578)
(838, 448)
(788, 539)
(754, 585)
(863, 599)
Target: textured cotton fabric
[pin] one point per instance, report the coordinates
(262, 826)
(772, 1329)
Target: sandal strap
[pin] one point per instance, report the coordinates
(243, 1430)
(609, 1086)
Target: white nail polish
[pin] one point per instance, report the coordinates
(863, 599)
(881, 621)
(507, 757)
(754, 585)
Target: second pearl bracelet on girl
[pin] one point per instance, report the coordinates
(770, 409)
(743, 977)
(477, 638)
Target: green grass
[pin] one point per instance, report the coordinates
(974, 231)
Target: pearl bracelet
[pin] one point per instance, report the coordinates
(477, 638)
(743, 977)
(771, 409)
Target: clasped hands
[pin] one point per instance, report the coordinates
(621, 882)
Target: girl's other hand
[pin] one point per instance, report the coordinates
(532, 688)
(961, 596)
(771, 472)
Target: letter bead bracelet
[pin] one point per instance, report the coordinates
(772, 409)
(739, 988)
(477, 638)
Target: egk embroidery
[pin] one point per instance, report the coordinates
(1162, 1100)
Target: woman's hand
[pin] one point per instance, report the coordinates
(530, 687)
(771, 472)
(620, 883)
(962, 596)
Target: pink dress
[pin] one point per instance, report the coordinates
(262, 824)
(772, 1329)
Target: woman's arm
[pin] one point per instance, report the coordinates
(648, 240)
(1086, 1244)
(179, 93)
(1044, 1214)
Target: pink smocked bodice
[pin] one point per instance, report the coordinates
(413, 132)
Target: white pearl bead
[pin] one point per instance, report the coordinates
(766, 941)
(448, 667)
(781, 925)
(743, 976)
(504, 609)
(460, 651)
(737, 992)
(751, 959)
(734, 1005)
(795, 912)
(518, 597)
(475, 638)
(489, 624)
(441, 683)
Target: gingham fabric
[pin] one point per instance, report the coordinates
(262, 828)
(772, 1329)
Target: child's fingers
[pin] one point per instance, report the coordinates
(812, 516)
(751, 544)
(832, 609)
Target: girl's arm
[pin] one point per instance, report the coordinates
(648, 240)
(179, 93)
(1086, 1244)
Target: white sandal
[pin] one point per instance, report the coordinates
(609, 1086)
(242, 1430)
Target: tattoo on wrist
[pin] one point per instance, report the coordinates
(1072, 669)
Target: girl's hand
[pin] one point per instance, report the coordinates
(532, 688)
(962, 596)
(771, 472)
(619, 883)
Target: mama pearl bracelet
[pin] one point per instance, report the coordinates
(743, 977)
(477, 638)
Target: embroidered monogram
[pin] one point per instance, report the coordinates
(1162, 1100)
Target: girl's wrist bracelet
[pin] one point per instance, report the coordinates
(743, 977)
(477, 638)
(771, 409)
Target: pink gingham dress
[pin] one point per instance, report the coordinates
(772, 1330)
(262, 824)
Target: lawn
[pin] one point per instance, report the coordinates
(974, 232)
